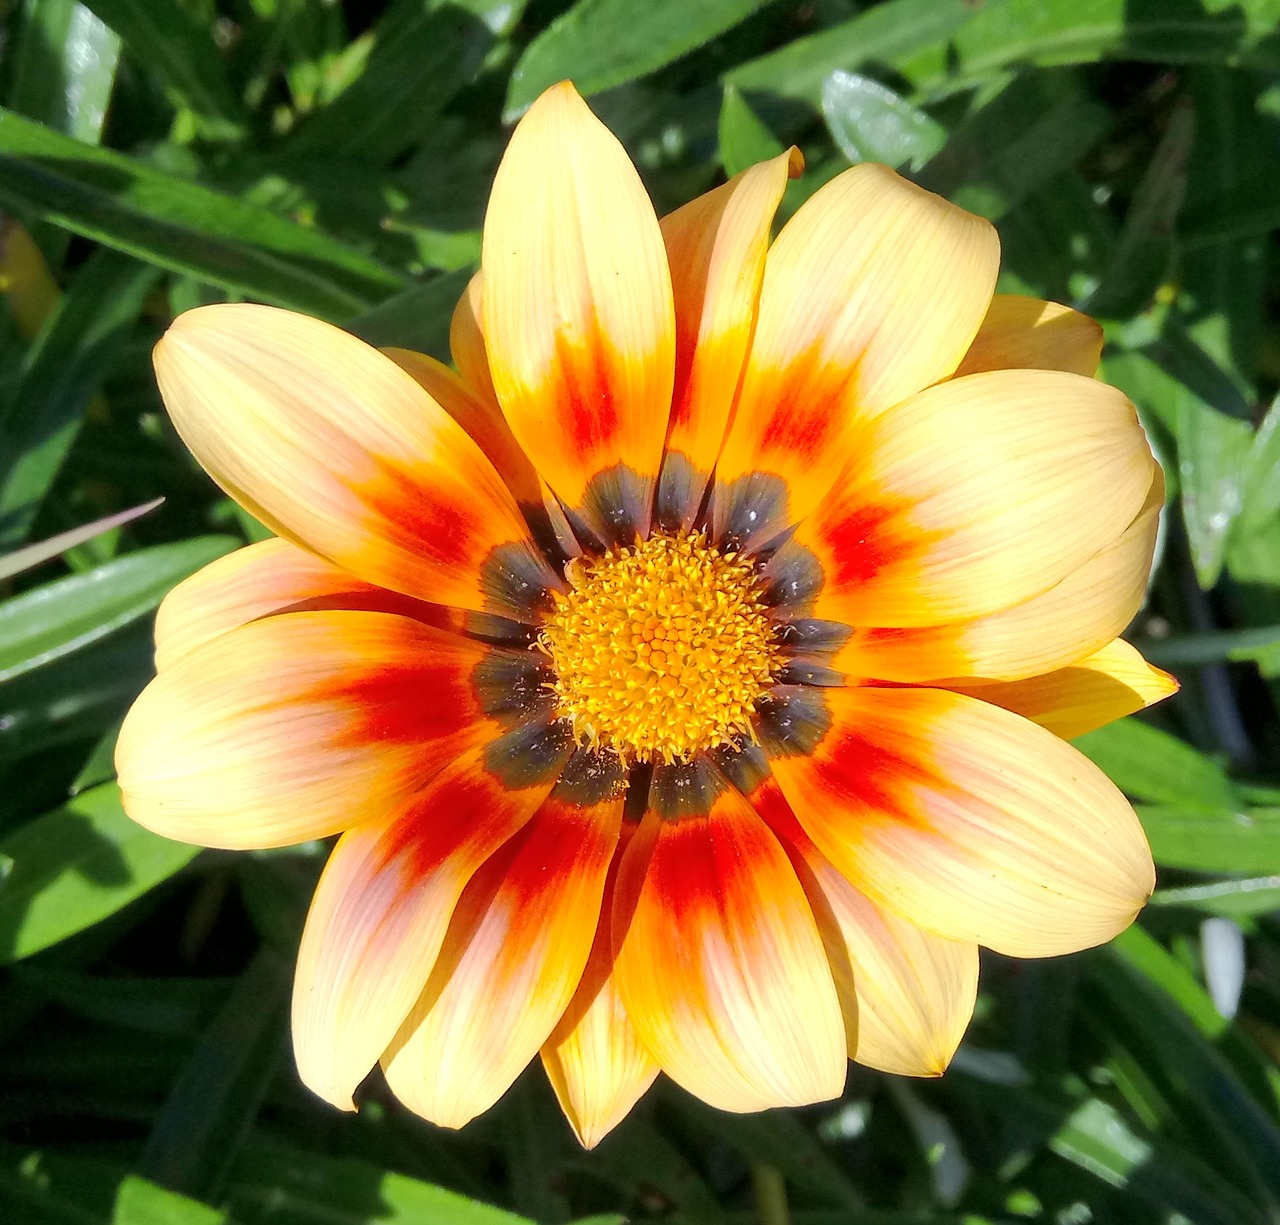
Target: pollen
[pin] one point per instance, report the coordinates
(661, 650)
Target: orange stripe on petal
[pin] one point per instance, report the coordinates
(380, 914)
(295, 727)
(970, 821)
(1031, 334)
(594, 1059)
(1109, 684)
(907, 995)
(264, 579)
(716, 247)
(1077, 616)
(720, 964)
(977, 495)
(577, 311)
(332, 445)
(873, 291)
(511, 961)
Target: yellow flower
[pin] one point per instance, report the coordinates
(672, 672)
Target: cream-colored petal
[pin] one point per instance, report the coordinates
(1030, 334)
(577, 313)
(466, 341)
(970, 821)
(296, 727)
(977, 495)
(1107, 685)
(380, 914)
(873, 291)
(332, 445)
(511, 961)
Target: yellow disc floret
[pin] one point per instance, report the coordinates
(661, 650)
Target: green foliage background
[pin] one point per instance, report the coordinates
(335, 158)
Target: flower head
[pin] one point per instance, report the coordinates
(688, 675)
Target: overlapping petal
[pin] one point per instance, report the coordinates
(977, 495)
(970, 821)
(332, 445)
(720, 964)
(577, 313)
(907, 994)
(466, 341)
(1021, 333)
(295, 727)
(1074, 618)
(380, 914)
(511, 961)
(1107, 685)
(873, 291)
(271, 577)
(716, 247)
(594, 1058)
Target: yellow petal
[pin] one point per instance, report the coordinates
(873, 291)
(594, 1058)
(577, 313)
(970, 821)
(466, 341)
(1031, 334)
(1077, 616)
(380, 914)
(907, 994)
(720, 964)
(512, 958)
(716, 246)
(296, 727)
(977, 495)
(1109, 684)
(333, 446)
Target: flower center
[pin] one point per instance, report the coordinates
(661, 650)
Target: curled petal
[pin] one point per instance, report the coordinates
(296, 727)
(511, 960)
(577, 313)
(1109, 684)
(1031, 334)
(380, 914)
(970, 821)
(873, 291)
(333, 446)
(977, 495)
(720, 964)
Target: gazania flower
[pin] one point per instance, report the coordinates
(688, 674)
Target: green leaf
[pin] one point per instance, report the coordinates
(1043, 33)
(415, 67)
(273, 1183)
(1152, 765)
(139, 1202)
(207, 1116)
(602, 43)
(48, 622)
(64, 68)
(744, 137)
(182, 226)
(886, 34)
(871, 123)
(65, 366)
(418, 318)
(1233, 899)
(161, 35)
(1214, 840)
(76, 865)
